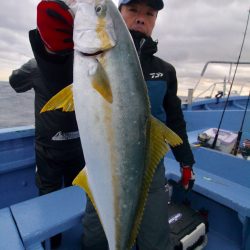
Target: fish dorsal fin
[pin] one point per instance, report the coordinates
(100, 83)
(62, 100)
(160, 135)
(81, 180)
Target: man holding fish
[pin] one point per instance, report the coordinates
(123, 143)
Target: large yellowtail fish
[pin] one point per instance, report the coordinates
(121, 141)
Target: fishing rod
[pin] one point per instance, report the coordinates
(229, 92)
(240, 131)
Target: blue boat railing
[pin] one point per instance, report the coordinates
(17, 165)
(209, 119)
(40, 218)
(9, 235)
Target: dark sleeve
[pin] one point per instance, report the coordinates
(56, 69)
(175, 119)
(21, 80)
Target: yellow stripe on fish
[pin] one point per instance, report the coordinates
(106, 43)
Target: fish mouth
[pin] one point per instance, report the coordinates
(92, 54)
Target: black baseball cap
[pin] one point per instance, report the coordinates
(155, 4)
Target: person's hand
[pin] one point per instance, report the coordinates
(55, 26)
(187, 177)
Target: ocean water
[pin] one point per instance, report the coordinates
(16, 109)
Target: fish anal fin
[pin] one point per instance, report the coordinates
(62, 100)
(100, 83)
(81, 180)
(160, 134)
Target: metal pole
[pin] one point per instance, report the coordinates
(190, 96)
(240, 131)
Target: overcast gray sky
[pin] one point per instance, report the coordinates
(190, 33)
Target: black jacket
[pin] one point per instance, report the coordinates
(47, 75)
(161, 81)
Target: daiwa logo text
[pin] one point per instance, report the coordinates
(175, 218)
(65, 136)
(156, 75)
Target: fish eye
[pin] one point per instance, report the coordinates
(100, 10)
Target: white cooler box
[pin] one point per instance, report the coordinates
(226, 139)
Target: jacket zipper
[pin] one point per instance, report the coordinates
(142, 42)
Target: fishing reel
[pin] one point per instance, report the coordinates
(245, 149)
(203, 139)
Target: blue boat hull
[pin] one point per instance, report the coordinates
(222, 188)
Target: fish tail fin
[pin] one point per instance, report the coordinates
(160, 136)
(63, 100)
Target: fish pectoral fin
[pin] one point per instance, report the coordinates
(101, 83)
(81, 180)
(62, 100)
(160, 135)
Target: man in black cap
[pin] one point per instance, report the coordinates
(140, 17)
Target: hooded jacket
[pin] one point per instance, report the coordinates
(48, 74)
(161, 82)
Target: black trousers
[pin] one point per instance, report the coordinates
(57, 168)
(154, 229)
